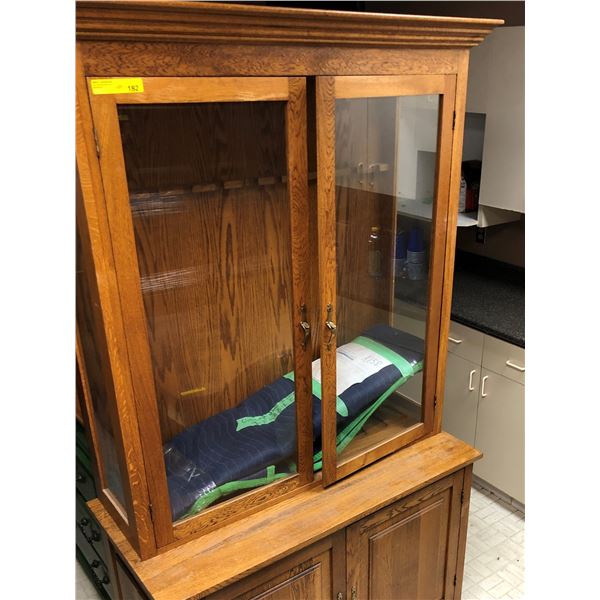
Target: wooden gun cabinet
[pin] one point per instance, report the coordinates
(260, 194)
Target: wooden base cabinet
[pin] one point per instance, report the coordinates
(412, 549)
(395, 531)
(408, 550)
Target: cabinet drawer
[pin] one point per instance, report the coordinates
(504, 358)
(84, 481)
(465, 342)
(89, 527)
(97, 565)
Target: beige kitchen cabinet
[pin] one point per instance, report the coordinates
(504, 358)
(461, 398)
(484, 404)
(500, 434)
(497, 89)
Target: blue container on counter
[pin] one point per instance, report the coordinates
(415, 254)
(400, 255)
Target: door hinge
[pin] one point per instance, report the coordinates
(453, 119)
(151, 511)
(462, 496)
(434, 402)
(455, 579)
(97, 143)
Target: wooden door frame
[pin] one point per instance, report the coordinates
(328, 90)
(142, 441)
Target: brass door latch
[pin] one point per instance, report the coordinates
(330, 325)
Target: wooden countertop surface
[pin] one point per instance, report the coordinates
(220, 557)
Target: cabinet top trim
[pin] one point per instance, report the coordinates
(161, 21)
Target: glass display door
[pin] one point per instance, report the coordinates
(205, 182)
(383, 163)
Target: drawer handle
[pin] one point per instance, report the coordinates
(471, 388)
(84, 522)
(517, 367)
(95, 564)
(80, 478)
(95, 536)
(454, 341)
(483, 394)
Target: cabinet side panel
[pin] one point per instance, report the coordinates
(94, 354)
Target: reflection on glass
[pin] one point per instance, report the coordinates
(89, 322)
(385, 185)
(208, 196)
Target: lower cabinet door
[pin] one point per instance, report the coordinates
(460, 398)
(409, 549)
(501, 434)
(318, 572)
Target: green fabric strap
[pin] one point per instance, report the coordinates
(267, 417)
(272, 415)
(234, 486)
(340, 406)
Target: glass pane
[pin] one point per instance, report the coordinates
(91, 335)
(208, 196)
(385, 185)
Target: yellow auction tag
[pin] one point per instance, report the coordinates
(121, 85)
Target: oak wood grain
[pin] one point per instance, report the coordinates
(114, 59)
(311, 573)
(303, 304)
(205, 89)
(438, 249)
(136, 519)
(406, 551)
(462, 535)
(451, 221)
(390, 85)
(228, 554)
(326, 228)
(204, 21)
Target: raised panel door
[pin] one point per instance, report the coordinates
(408, 550)
(315, 573)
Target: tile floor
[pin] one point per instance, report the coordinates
(495, 556)
(84, 589)
(494, 562)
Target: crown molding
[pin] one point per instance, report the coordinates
(207, 22)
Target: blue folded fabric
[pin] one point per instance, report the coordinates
(253, 443)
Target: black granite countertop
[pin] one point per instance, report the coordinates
(488, 295)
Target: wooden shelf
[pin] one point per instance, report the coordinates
(387, 422)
